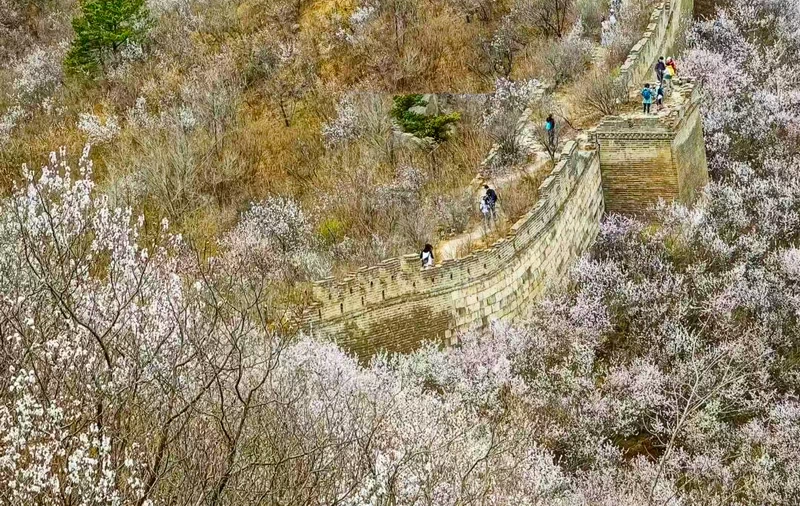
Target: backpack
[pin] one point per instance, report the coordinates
(647, 94)
(491, 197)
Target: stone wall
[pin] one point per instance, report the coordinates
(689, 150)
(622, 166)
(667, 22)
(395, 305)
(644, 158)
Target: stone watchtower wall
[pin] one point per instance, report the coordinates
(623, 165)
(643, 158)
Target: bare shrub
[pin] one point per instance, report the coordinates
(189, 158)
(591, 14)
(550, 17)
(621, 42)
(396, 50)
(168, 171)
(520, 198)
(480, 9)
(631, 22)
(503, 121)
(454, 212)
(566, 59)
(498, 52)
(376, 133)
(285, 70)
(602, 93)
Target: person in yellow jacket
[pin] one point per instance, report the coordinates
(673, 65)
(669, 73)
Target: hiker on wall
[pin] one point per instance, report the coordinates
(674, 65)
(550, 127)
(427, 256)
(484, 206)
(647, 98)
(605, 32)
(660, 97)
(670, 71)
(660, 68)
(491, 200)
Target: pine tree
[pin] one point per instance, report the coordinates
(102, 30)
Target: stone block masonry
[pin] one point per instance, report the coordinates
(624, 165)
(644, 158)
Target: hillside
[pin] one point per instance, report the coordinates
(238, 150)
(213, 105)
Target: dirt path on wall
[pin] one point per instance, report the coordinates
(452, 248)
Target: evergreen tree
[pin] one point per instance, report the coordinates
(435, 127)
(102, 30)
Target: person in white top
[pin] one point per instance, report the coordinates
(605, 32)
(485, 211)
(427, 256)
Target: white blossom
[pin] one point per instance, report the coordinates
(97, 130)
(345, 126)
(39, 72)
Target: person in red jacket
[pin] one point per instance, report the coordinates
(671, 63)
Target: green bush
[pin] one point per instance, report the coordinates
(331, 231)
(422, 126)
(101, 31)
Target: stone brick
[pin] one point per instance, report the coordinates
(646, 158)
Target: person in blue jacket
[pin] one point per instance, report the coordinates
(647, 98)
(550, 126)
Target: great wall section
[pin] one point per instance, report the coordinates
(624, 164)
